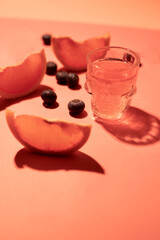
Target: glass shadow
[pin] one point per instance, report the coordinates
(135, 127)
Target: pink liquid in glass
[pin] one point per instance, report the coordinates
(113, 83)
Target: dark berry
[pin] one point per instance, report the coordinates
(140, 65)
(46, 39)
(49, 97)
(51, 68)
(76, 106)
(72, 80)
(61, 77)
(128, 58)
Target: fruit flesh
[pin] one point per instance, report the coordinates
(72, 54)
(47, 136)
(23, 78)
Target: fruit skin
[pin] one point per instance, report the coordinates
(47, 136)
(72, 54)
(72, 80)
(51, 68)
(46, 39)
(49, 96)
(61, 77)
(21, 79)
(76, 106)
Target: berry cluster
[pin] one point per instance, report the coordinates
(70, 79)
(63, 77)
(49, 97)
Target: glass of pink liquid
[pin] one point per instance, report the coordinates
(111, 79)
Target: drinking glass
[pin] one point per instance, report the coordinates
(111, 79)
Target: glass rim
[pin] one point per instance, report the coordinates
(128, 50)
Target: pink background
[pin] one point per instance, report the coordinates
(137, 13)
(110, 188)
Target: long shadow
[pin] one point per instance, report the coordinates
(136, 127)
(4, 103)
(77, 161)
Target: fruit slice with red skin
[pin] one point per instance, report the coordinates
(47, 136)
(23, 78)
(72, 54)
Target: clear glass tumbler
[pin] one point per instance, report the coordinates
(111, 79)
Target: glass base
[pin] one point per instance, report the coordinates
(108, 120)
(119, 118)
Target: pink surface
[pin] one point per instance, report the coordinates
(109, 189)
(133, 13)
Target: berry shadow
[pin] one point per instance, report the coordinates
(81, 115)
(4, 103)
(77, 161)
(50, 106)
(78, 87)
(136, 127)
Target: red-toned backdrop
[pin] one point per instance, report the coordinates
(109, 189)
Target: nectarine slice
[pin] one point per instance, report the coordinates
(72, 54)
(23, 78)
(47, 136)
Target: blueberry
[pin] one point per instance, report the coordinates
(51, 68)
(76, 106)
(72, 80)
(128, 58)
(61, 77)
(49, 97)
(46, 39)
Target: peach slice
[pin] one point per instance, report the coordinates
(23, 78)
(73, 54)
(47, 136)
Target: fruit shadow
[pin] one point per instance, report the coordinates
(136, 127)
(77, 161)
(4, 103)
